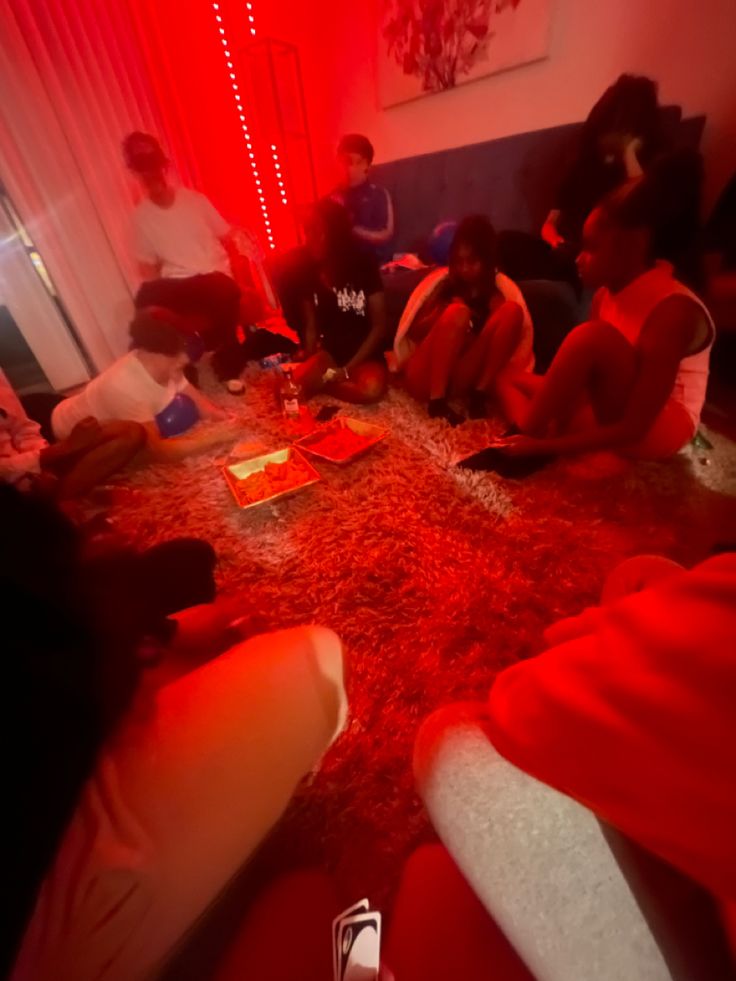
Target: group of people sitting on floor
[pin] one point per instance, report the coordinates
(632, 378)
(163, 737)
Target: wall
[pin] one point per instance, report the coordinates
(686, 44)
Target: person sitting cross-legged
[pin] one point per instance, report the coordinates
(344, 312)
(464, 327)
(633, 379)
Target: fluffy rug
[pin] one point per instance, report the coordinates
(434, 578)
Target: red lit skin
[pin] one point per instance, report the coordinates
(355, 170)
(159, 189)
(445, 362)
(612, 257)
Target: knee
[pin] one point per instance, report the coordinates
(132, 436)
(434, 732)
(372, 382)
(593, 334)
(456, 316)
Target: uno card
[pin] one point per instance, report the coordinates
(361, 907)
(359, 947)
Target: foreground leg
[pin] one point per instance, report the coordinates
(179, 800)
(537, 860)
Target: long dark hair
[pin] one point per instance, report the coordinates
(630, 105)
(666, 201)
(65, 687)
(478, 235)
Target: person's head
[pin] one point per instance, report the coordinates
(473, 252)
(144, 157)
(628, 110)
(355, 156)
(328, 232)
(157, 332)
(619, 236)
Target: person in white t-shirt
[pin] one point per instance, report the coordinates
(141, 385)
(183, 247)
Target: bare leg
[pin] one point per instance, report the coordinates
(367, 384)
(596, 364)
(428, 372)
(119, 443)
(515, 393)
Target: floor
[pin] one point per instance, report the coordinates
(434, 578)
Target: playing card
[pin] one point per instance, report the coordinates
(361, 907)
(359, 947)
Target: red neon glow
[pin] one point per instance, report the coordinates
(241, 114)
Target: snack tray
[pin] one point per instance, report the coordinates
(239, 471)
(373, 435)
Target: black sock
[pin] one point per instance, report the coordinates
(478, 405)
(439, 409)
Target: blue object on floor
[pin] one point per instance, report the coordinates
(179, 415)
(440, 242)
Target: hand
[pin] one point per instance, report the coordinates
(521, 446)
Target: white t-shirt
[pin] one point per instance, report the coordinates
(125, 391)
(184, 238)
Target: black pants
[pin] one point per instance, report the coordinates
(39, 407)
(211, 301)
(213, 304)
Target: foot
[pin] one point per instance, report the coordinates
(478, 405)
(439, 409)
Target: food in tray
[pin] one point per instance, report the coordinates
(275, 478)
(338, 441)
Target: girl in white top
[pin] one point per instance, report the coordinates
(464, 327)
(142, 383)
(633, 379)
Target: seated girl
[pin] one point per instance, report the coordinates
(464, 327)
(141, 385)
(344, 312)
(633, 379)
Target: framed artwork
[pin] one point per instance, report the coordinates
(429, 46)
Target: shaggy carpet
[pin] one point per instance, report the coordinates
(435, 579)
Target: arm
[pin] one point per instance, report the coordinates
(377, 313)
(383, 234)
(207, 409)
(631, 159)
(667, 337)
(549, 229)
(180, 447)
(311, 332)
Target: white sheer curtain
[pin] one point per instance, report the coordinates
(73, 83)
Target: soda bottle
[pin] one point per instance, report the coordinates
(290, 392)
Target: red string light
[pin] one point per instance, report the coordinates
(241, 114)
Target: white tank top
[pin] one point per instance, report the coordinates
(630, 308)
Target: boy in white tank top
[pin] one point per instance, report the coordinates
(633, 379)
